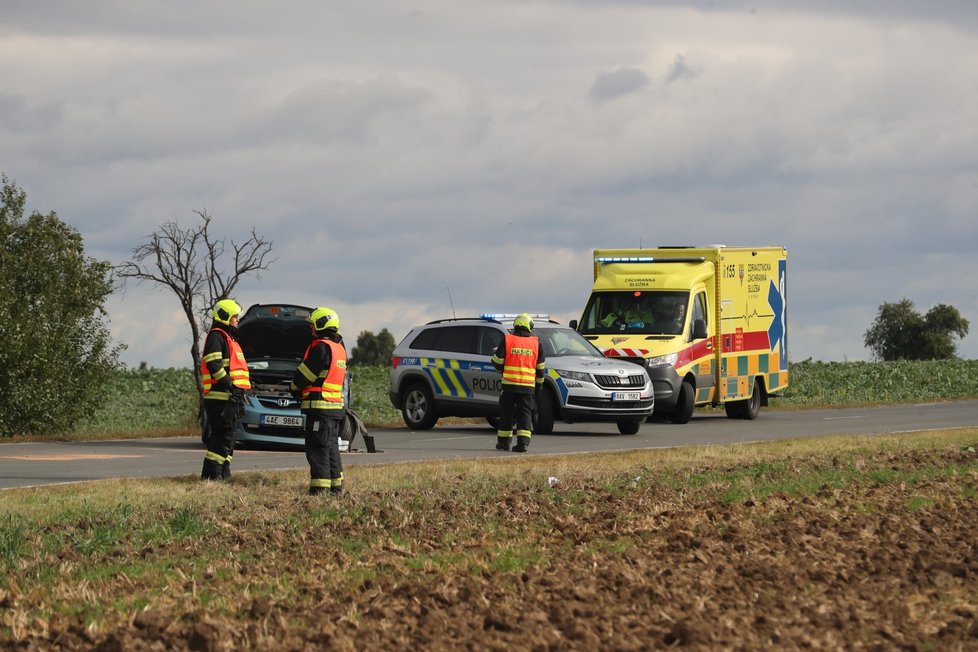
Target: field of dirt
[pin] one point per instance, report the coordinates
(884, 567)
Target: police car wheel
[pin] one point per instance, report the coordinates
(418, 407)
(629, 427)
(543, 416)
(493, 422)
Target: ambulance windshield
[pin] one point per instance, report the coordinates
(635, 312)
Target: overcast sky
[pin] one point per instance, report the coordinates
(407, 158)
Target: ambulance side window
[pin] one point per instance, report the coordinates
(699, 308)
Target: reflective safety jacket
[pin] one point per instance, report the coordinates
(224, 360)
(320, 377)
(520, 361)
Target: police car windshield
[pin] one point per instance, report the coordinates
(637, 312)
(558, 342)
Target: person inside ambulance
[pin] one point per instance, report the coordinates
(677, 320)
(631, 313)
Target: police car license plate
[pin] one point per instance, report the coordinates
(280, 420)
(626, 396)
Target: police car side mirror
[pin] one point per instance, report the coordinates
(699, 329)
(573, 324)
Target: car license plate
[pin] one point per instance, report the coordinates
(626, 396)
(280, 420)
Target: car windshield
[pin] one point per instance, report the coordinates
(557, 342)
(654, 313)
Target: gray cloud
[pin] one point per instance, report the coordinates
(623, 81)
(394, 155)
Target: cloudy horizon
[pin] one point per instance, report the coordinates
(411, 160)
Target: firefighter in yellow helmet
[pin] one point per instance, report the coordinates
(318, 386)
(225, 379)
(521, 363)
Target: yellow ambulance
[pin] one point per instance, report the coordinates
(708, 323)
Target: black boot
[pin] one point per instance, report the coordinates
(522, 443)
(210, 471)
(336, 490)
(226, 471)
(502, 443)
(316, 491)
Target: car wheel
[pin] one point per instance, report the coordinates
(493, 422)
(418, 407)
(683, 411)
(543, 416)
(628, 427)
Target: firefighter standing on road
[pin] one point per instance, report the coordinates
(521, 362)
(225, 378)
(318, 386)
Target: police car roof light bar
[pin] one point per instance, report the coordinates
(509, 316)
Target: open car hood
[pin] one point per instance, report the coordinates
(274, 332)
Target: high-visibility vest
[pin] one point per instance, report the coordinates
(235, 365)
(326, 392)
(519, 365)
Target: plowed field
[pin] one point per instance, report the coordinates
(876, 551)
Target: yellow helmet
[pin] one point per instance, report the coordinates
(323, 318)
(225, 309)
(523, 320)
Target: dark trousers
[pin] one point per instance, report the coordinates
(323, 454)
(515, 405)
(220, 441)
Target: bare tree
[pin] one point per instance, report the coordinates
(188, 261)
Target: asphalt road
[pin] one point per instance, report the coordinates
(35, 464)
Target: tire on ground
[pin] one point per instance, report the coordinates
(683, 411)
(418, 407)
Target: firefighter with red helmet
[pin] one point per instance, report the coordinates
(318, 386)
(224, 371)
(521, 363)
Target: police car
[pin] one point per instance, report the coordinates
(444, 369)
(274, 337)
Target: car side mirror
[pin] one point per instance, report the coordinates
(573, 324)
(699, 329)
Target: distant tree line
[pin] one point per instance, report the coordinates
(901, 333)
(372, 350)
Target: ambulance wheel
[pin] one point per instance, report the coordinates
(629, 427)
(747, 409)
(734, 409)
(543, 417)
(683, 411)
(418, 407)
(752, 406)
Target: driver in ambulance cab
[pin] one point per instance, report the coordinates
(631, 313)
